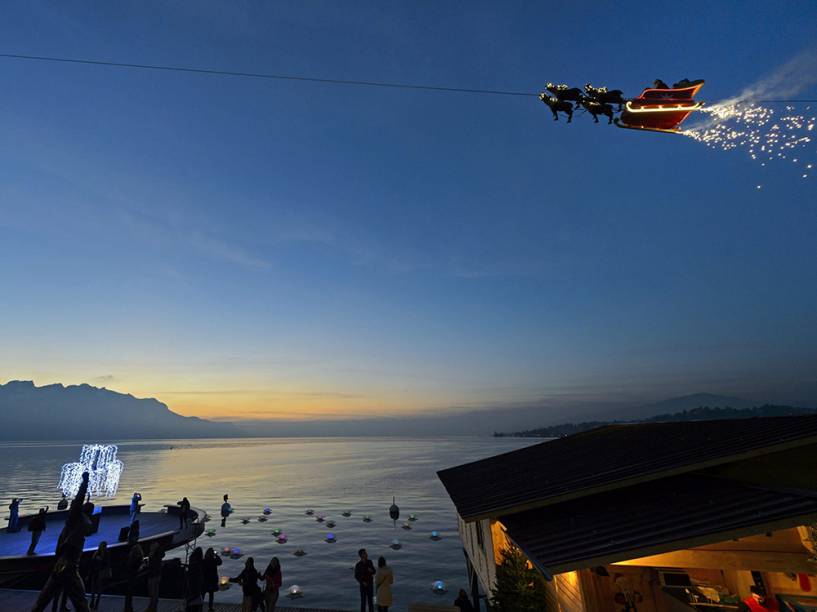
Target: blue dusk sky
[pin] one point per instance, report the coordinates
(244, 248)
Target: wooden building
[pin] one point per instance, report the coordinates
(651, 517)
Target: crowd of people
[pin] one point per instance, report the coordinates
(260, 590)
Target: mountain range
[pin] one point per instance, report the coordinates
(84, 412)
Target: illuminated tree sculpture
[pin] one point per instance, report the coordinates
(104, 469)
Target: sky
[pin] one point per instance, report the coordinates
(243, 248)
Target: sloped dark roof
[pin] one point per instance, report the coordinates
(646, 519)
(613, 456)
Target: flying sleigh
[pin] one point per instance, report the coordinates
(657, 109)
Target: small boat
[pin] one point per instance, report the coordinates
(660, 110)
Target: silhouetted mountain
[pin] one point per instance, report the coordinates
(84, 412)
(701, 413)
(688, 402)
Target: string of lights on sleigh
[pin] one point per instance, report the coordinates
(765, 133)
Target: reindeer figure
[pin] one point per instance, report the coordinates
(605, 96)
(596, 108)
(564, 93)
(557, 105)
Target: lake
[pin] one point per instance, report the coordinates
(329, 475)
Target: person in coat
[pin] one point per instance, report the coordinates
(195, 581)
(210, 571)
(272, 584)
(36, 526)
(14, 515)
(383, 581)
(154, 575)
(248, 579)
(65, 576)
(364, 574)
(99, 574)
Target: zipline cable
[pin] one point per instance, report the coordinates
(293, 77)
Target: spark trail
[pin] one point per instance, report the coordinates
(765, 133)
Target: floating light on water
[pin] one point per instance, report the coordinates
(267, 510)
(103, 468)
(299, 552)
(395, 544)
(223, 583)
(282, 539)
(330, 537)
(367, 518)
(309, 512)
(438, 587)
(435, 535)
(276, 532)
(262, 519)
(210, 533)
(412, 517)
(225, 550)
(346, 513)
(294, 592)
(330, 524)
(320, 518)
(406, 525)
(245, 521)
(235, 552)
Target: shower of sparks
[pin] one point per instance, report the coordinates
(766, 134)
(103, 468)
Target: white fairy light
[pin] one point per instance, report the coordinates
(103, 468)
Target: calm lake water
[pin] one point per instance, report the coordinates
(330, 475)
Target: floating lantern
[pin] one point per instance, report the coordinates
(235, 552)
(267, 510)
(294, 592)
(330, 524)
(330, 537)
(406, 525)
(276, 532)
(300, 552)
(412, 517)
(309, 512)
(320, 518)
(282, 539)
(438, 587)
(346, 513)
(262, 519)
(395, 544)
(367, 518)
(245, 521)
(225, 550)
(210, 533)
(435, 535)
(223, 583)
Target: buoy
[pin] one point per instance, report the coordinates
(394, 511)
(282, 539)
(367, 518)
(346, 513)
(330, 537)
(294, 592)
(299, 552)
(223, 583)
(309, 512)
(395, 544)
(267, 510)
(438, 587)
(330, 524)
(435, 535)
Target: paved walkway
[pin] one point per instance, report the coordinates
(20, 601)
